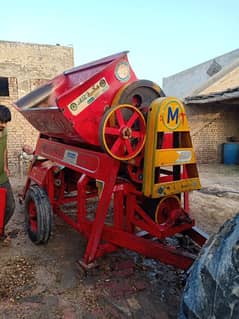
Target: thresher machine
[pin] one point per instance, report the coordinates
(109, 138)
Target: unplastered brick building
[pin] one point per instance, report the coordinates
(23, 67)
(210, 91)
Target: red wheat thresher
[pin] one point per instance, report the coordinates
(106, 136)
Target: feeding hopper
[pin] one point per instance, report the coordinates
(71, 105)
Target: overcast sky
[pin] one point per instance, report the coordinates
(163, 37)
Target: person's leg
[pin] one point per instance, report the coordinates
(10, 202)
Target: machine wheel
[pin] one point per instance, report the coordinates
(122, 132)
(135, 169)
(38, 215)
(139, 93)
(159, 209)
(212, 289)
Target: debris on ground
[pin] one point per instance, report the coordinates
(16, 278)
(39, 282)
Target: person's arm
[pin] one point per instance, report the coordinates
(6, 162)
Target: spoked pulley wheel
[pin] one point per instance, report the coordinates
(164, 207)
(122, 132)
(38, 215)
(159, 209)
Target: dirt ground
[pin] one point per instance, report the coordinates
(43, 282)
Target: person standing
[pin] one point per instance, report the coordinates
(5, 117)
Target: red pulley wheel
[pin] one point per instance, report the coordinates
(122, 132)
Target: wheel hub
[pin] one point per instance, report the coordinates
(126, 133)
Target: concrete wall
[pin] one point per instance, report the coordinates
(185, 82)
(27, 66)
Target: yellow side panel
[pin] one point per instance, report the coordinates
(167, 115)
(168, 188)
(174, 156)
(150, 146)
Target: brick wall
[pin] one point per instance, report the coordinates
(210, 126)
(27, 66)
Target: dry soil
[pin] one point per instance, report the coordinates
(44, 281)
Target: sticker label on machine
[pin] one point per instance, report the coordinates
(70, 157)
(88, 97)
(184, 156)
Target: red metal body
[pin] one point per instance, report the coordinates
(74, 170)
(105, 232)
(3, 194)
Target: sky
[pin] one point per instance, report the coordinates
(162, 37)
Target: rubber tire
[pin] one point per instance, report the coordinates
(44, 215)
(212, 288)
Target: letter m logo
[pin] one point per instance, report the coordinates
(172, 115)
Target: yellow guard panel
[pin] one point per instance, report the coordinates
(168, 168)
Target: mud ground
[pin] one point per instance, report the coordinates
(43, 282)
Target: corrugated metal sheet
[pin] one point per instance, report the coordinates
(228, 95)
